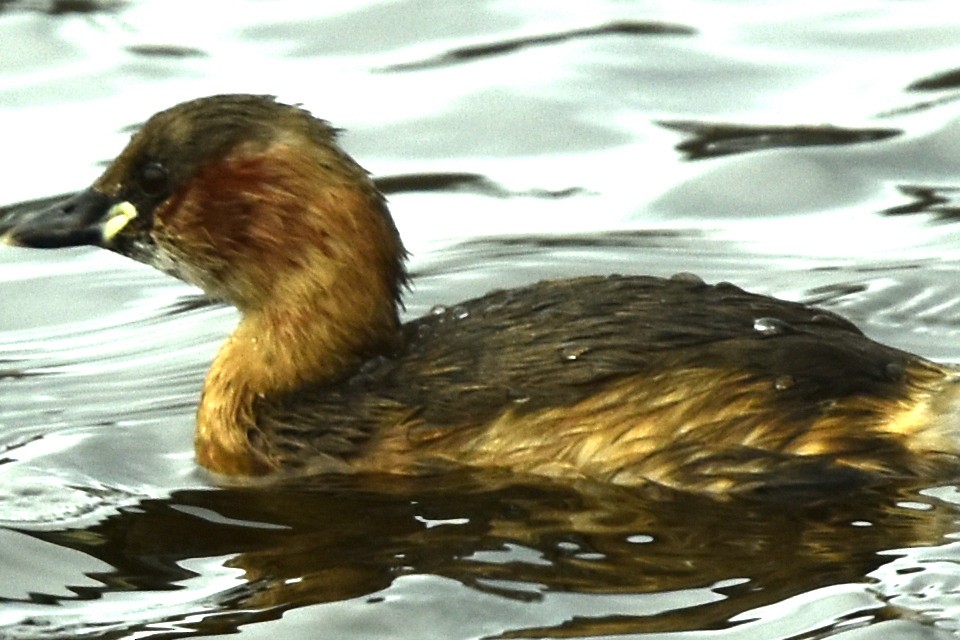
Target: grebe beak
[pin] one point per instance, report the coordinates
(88, 218)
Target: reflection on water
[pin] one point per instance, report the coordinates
(665, 562)
(801, 150)
(479, 51)
(712, 140)
(929, 200)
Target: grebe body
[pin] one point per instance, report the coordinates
(622, 379)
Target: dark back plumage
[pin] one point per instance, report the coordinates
(557, 343)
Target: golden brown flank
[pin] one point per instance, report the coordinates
(622, 379)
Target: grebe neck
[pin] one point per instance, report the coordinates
(311, 313)
(277, 350)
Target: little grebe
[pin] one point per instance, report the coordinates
(628, 380)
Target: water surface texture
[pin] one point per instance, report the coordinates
(806, 150)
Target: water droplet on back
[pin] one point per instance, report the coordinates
(572, 351)
(784, 382)
(686, 276)
(894, 371)
(517, 396)
(771, 326)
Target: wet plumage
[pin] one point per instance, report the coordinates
(707, 387)
(624, 379)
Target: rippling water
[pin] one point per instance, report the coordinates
(807, 150)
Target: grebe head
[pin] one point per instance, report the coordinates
(249, 199)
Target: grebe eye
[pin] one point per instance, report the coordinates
(153, 179)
